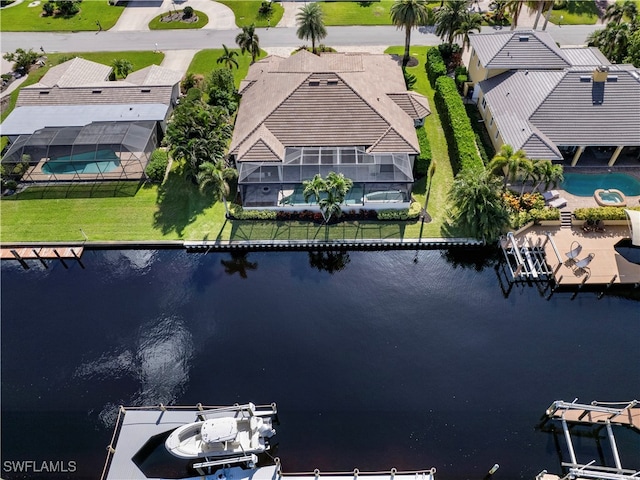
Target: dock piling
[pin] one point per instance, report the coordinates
(20, 259)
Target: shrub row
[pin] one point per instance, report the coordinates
(602, 213)
(157, 165)
(238, 213)
(421, 165)
(411, 213)
(457, 127)
(434, 66)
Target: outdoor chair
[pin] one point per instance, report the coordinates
(573, 253)
(559, 202)
(550, 195)
(580, 267)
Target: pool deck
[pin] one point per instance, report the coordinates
(607, 266)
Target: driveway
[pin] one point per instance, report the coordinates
(139, 13)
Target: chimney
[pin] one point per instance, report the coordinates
(600, 73)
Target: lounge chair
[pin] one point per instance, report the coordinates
(550, 195)
(573, 253)
(559, 202)
(580, 267)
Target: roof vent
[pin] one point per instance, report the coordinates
(332, 81)
(146, 90)
(96, 91)
(314, 83)
(44, 92)
(523, 38)
(585, 78)
(612, 78)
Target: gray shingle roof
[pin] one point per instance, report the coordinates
(573, 115)
(518, 50)
(331, 100)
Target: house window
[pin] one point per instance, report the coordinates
(491, 122)
(478, 63)
(484, 103)
(497, 134)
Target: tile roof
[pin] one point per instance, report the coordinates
(76, 72)
(585, 56)
(154, 75)
(541, 110)
(520, 49)
(328, 100)
(414, 105)
(104, 94)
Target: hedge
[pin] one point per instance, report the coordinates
(157, 166)
(461, 138)
(421, 165)
(238, 213)
(602, 213)
(434, 66)
(411, 213)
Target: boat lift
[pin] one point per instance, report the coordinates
(527, 261)
(603, 415)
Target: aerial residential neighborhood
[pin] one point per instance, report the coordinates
(413, 226)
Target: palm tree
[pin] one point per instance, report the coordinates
(328, 193)
(310, 23)
(449, 18)
(508, 162)
(477, 205)
(470, 22)
(216, 176)
(227, 58)
(547, 173)
(121, 67)
(539, 6)
(514, 7)
(615, 12)
(408, 14)
(248, 41)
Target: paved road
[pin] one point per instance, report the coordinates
(273, 37)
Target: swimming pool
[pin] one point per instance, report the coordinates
(583, 184)
(102, 161)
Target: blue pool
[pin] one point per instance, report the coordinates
(102, 161)
(584, 185)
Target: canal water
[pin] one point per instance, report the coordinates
(376, 359)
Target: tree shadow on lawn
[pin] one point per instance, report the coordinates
(179, 204)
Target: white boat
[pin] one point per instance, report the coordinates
(239, 430)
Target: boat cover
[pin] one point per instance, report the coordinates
(219, 430)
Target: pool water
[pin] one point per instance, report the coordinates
(610, 197)
(584, 185)
(102, 161)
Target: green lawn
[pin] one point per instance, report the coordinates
(177, 210)
(359, 13)
(139, 59)
(576, 13)
(206, 60)
(246, 12)
(22, 18)
(156, 24)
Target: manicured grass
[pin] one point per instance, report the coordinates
(359, 13)
(22, 18)
(157, 24)
(177, 210)
(139, 59)
(576, 13)
(206, 60)
(246, 12)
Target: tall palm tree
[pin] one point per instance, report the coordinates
(216, 176)
(310, 21)
(514, 7)
(539, 6)
(547, 173)
(508, 162)
(228, 58)
(329, 193)
(449, 18)
(470, 22)
(408, 14)
(615, 12)
(248, 41)
(477, 206)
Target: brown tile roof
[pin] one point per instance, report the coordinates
(328, 100)
(111, 93)
(414, 104)
(76, 72)
(154, 75)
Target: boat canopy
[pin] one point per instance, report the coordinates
(634, 222)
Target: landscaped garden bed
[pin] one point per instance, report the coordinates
(179, 19)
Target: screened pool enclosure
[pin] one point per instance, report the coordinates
(100, 151)
(379, 179)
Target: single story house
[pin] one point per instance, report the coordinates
(555, 103)
(342, 112)
(76, 124)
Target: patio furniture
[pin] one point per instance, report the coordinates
(580, 267)
(573, 253)
(550, 195)
(559, 202)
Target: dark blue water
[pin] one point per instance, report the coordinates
(385, 362)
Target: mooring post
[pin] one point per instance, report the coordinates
(19, 258)
(60, 258)
(73, 252)
(35, 252)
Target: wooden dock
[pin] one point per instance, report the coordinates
(42, 253)
(628, 416)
